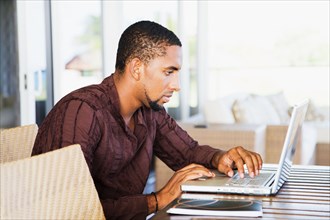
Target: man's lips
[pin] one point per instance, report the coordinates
(166, 98)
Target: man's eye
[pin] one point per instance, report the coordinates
(169, 72)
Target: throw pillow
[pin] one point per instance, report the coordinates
(255, 110)
(280, 105)
(218, 112)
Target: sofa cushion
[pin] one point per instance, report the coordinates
(322, 130)
(255, 109)
(220, 110)
(280, 105)
(217, 112)
(314, 113)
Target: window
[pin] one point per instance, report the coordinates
(77, 45)
(189, 79)
(269, 46)
(9, 77)
(31, 41)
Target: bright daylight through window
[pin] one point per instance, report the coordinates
(265, 47)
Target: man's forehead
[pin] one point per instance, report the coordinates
(173, 57)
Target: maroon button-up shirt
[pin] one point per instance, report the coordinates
(118, 158)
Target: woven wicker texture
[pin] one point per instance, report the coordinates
(16, 143)
(54, 185)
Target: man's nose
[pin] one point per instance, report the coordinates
(175, 83)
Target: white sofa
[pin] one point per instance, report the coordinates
(274, 112)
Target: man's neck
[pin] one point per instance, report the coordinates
(127, 97)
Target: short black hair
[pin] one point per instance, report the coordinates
(145, 40)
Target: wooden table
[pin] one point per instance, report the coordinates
(306, 195)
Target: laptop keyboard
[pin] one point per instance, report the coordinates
(247, 180)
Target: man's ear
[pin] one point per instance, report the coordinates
(135, 68)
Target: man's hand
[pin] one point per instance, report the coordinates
(172, 189)
(236, 157)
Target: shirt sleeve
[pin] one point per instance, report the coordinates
(74, 122)
(127, 207)
(176, 148)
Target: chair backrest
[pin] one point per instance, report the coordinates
(17, 143)
(54, 185)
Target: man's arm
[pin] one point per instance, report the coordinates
(127, 207)
(177, 149)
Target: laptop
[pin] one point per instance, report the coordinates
(269, 181)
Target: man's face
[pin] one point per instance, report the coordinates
(161, 78)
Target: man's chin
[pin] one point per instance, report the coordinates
(155, 106)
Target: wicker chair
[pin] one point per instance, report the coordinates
(16, 143)
(54, 185)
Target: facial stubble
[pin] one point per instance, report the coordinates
(153, 104)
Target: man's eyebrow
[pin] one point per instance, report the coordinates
(172, 68)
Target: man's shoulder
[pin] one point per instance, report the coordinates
(96, 96)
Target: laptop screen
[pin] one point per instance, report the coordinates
(289, 146)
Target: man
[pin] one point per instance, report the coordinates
(121, 123)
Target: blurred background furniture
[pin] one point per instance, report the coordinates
(54, 185)
(17, 143)
(305, 149)
(274, 111)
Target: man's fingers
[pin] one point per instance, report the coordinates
(237, 157)
(240, 156)
(256, 164)
(191, 166)
(172, 189)
(250, 161)
(259, 161)
(193, 171)
(226, 170)
(230, 160)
